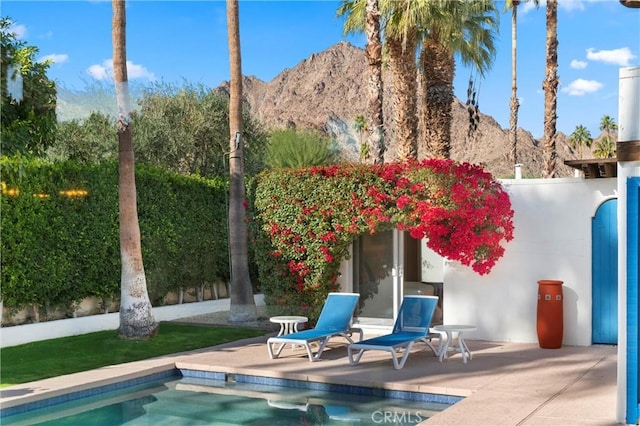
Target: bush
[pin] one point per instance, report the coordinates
(60, 232)
(306, 219)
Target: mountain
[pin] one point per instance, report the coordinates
(327, 90)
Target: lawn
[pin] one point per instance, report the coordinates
(55, 357)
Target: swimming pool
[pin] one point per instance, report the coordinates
(189, 397)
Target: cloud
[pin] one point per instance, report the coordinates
(56, 58)
(581, 87)
(621, 57)
(104, 71)
(20, 31)
(579, 65)
(526, 7)
(568, 5)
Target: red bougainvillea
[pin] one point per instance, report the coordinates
(309, 217)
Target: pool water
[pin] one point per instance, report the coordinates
(182, 400)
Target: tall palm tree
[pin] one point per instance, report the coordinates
(608, 125)
(466, 27)
(136, 315)
(375, 88)
(401, 42)
(402, 54)
(580, 137)
(365, 15)
(243, 305)
(514, 104)
(360, 126)
(550, 86)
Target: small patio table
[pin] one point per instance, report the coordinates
(449, 330)
(288, 324)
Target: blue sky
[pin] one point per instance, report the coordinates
(176, 41)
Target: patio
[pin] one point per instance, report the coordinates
(504, 384)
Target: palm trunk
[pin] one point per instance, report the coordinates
(402, 51)
(136, 315)
(514, 104)
(373, 51)
(243, 305)
(438, 69)
(550, 86)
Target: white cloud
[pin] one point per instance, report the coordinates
(581, 87)
(621, 57)
(56, 58)
(20, 31)
(101, 72)
(104, 71)
(579, 65)
(528, 6)
(570, 5)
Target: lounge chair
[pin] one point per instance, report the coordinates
(334, 320)
(412, 325)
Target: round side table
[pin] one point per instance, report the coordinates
(449, 329)
(288, 324)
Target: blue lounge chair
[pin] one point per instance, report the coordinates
(334, 320)
(412, 325)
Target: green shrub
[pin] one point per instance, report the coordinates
(60, 232)
(291, 148)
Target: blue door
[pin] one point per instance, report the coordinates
(604, 231)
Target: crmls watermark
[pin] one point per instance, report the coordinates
(391, 417)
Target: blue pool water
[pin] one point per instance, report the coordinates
(205, 398)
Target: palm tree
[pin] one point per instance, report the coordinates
(514, 104)
(460, 26)
(467, 27)
(550, 86)
(136, 315)
(373, 50)
(608, 125)
(243, 305)
(360, 125)
(365, 15)
(402, 44)
(579, 138)
(605, 148)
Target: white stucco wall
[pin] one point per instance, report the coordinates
(552, 240)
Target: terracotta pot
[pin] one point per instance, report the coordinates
(550, 320)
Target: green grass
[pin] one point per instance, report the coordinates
(55, 357)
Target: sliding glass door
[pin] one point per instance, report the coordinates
(385, 267)
(376, 271)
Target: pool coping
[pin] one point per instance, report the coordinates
(504, 384)
(77, 391)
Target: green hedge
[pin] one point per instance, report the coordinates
(60, 247)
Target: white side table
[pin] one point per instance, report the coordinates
(462, 345)
(288, 324)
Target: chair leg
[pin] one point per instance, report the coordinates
(398, 365)
(356, 330)
(319, 352)
(275, 354)
(354, 358)
(436, 352)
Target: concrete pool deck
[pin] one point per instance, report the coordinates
(504, 383)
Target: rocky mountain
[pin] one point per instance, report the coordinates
(327, 91)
